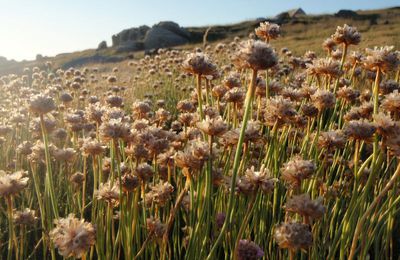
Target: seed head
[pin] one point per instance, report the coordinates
(383, 58)
(12, 184)
(213, 127)
(346, 35)
(293, 236)
(297, 170)
(248, 250)
(323, 99)
(360, 130)
(41, 104)
(255, 55)
(73, 237)
(268, 31)
(199, 64)
(304, 206)
(26, 217)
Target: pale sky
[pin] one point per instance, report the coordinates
(50, 27)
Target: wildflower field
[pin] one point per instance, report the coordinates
(235, 150)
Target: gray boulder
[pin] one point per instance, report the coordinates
(165, 34)
(130, 35)
(102, 45)
(346, 14)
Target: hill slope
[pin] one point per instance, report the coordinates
(378, 27)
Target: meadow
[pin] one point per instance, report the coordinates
(242, 149)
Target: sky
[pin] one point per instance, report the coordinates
(50, 27)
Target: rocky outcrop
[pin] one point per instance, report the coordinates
(346, 14)
(102, 45)
(163, 34)
(129, 36)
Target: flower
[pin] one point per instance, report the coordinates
(391, 103)
(293, 236)
(253, 180)
(161, 193)
(155, 228)
(331, 140)
(268, 31)
(297, 170)
(360, 130)
(41, 104)
(329, 45)
(12, 184)
(382, 58)
(213, 127)
(26, 217)
(279, 111)
(324, 66)
(73, 237)
(199, 64)
(248, 250)
(347, 35)
(108, 193)
(256, 55)
(91, 146)
(129, 182)
(323, 99)
(304, 206)
(114, 129)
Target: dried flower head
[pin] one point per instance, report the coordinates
(199, 64)
(268, 31)
(253, 180)
(323, 99)
(114, 129)
(279, 111)
(232, 80)
(108, 192)
(348, 94)
(360, 130)
(26, 217)
(391, 103)
(385, 126)
(213, 127)
(248, 250)
(256, 55)
(304, 206)
(12, 184)
(41, 104)
(297, 170)
(388, 86)
(161, 193)
(129, 182)
(329, 45)
(331, 140)
(73, 237)
(346, 35)
(324, 66)
(155, 228)
(91, 146)
(383, 58)
(293, 236)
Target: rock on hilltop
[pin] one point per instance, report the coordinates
(161, 35)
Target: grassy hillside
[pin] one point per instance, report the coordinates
(378, 27)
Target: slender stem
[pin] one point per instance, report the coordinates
(236, 162)
(368, 212)
(200, 96)
(10, 227)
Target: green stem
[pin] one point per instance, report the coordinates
(368, 212)
(236, 162)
